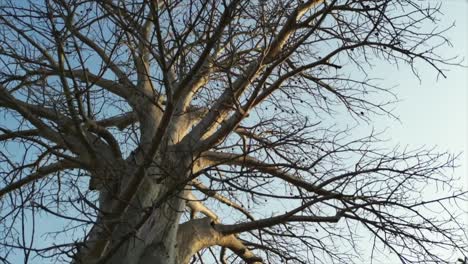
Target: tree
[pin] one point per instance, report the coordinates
(182, 131)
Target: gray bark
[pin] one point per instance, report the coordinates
(137, 237)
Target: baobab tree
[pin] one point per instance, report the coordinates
(203, 131)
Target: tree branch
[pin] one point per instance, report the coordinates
(198, 234)
(39, 174)
(208, 192)
(272, 169)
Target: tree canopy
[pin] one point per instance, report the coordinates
(197, 131)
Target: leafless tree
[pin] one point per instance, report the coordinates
(204, 131)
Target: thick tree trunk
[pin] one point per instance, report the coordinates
(156, 241)
(137, 238)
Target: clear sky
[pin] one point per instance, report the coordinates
(433, 111)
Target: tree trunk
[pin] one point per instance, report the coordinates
(137, 238)
(156, 241)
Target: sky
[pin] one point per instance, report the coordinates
(432, 111)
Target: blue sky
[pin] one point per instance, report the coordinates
(433, 110)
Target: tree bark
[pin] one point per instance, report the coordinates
(146, 232)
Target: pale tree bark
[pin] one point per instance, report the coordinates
(194, 131)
